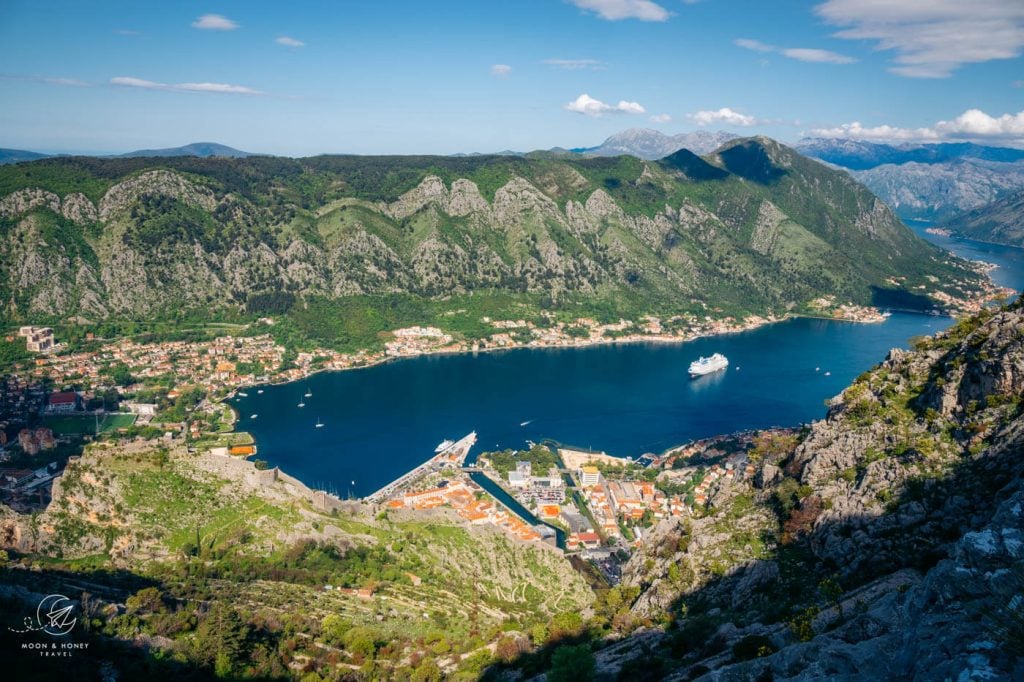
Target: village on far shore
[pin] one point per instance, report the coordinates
(56, 397)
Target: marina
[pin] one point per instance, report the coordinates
(451, 454)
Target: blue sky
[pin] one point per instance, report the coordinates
(394, 77)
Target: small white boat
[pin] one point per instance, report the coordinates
(260, 391)
(244, 395)
(319, 424)
(302, 404)
(253, 416)
(308, 393)
(525, 423)
(828, 374)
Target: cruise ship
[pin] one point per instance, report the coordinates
(444, 445)
(710, 365)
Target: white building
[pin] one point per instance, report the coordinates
(37, 339)
(589, 475)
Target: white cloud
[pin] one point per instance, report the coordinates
(806, 54)
(882, 133)
(501, 70)
(931, 38)
(616, 10)
(73, 82)
(976, 123)
(973, 124)
(576, 64)
(661, 118)
(288, 41)
(724, 115)
(755, 45)
(214, 22)
(588, 106)
(219, 88)
(803, 54)
(49, 80)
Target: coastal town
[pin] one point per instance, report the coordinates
(57, 396)
(579, 500)
(221, 365)
(582, 501)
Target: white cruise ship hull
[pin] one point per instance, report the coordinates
(703, 368)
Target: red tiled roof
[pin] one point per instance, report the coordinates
(63, 398)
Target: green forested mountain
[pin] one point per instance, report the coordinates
(1001, 222)
(752, 228)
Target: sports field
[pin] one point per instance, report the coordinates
(79, 424)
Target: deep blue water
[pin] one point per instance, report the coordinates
(1010, 260)
(626, 399)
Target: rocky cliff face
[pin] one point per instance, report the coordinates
(931, 191)
(756, 227)
(888, 544)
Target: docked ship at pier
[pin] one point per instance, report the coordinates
(449, 453)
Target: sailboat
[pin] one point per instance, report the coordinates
(302, 403)
(319, 424)
(259, 392)
(309, 393)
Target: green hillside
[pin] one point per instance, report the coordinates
(753, 228)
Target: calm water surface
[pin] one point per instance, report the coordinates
(626, 399)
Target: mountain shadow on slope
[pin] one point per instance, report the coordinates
(692, 166)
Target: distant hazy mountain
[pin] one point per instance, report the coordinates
(861, 155)
(202, 149)
(934, 191)
(1001, 222)
(929, 182)
(16, 155)
(645, 143)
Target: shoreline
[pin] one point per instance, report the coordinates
(581, 343)
(382, 358)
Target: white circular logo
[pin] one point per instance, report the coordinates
(55, 615)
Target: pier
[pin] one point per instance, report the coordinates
(452, 456)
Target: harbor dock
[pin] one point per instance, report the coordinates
(452, 455)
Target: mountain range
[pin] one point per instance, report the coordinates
(1001, 222)
(860, 155)
(645, 143)
(926, 182)
(752, 228)
(200, 149)
(19, 155)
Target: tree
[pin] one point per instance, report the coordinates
(565, 624)
(572, 664)
(427, 671)
(146, 600)
(221, 637)
(360, 641)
